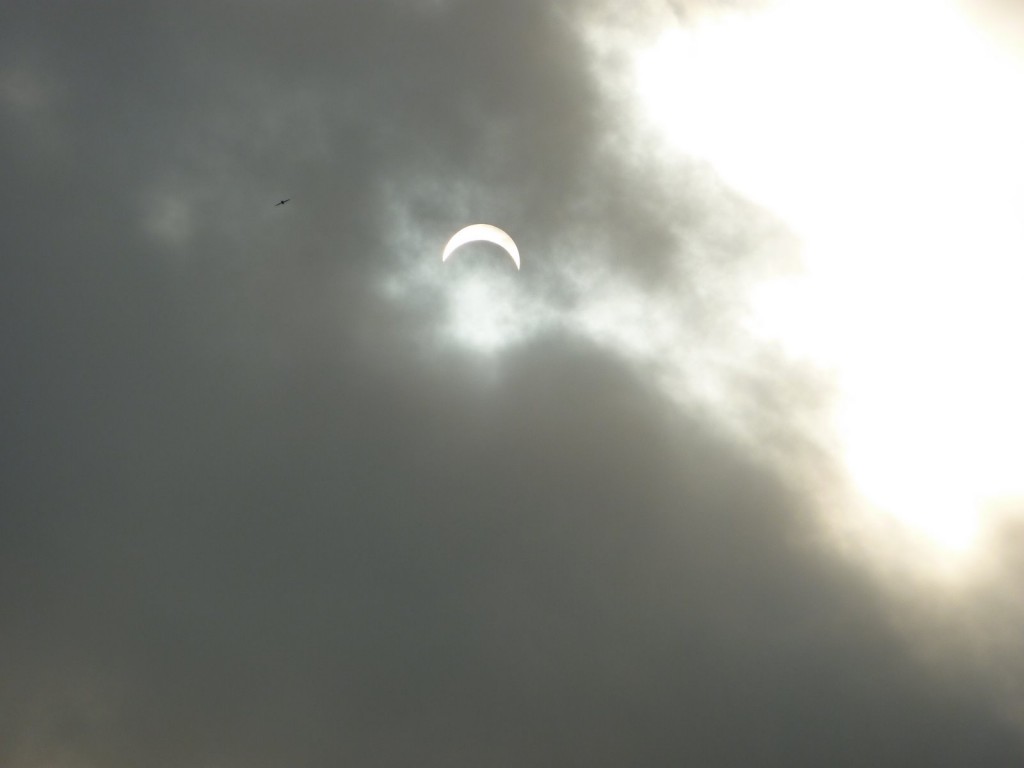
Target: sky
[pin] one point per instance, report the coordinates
(728, 474)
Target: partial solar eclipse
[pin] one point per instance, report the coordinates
(485, 232)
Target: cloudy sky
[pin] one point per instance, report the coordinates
(729, 474)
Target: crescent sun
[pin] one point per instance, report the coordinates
(482, 232)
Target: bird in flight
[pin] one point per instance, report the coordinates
(282, 202)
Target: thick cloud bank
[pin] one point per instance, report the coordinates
(279, 488)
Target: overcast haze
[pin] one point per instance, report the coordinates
(279, 488)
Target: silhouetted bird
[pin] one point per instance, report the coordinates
(281, 203)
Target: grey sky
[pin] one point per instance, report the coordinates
(278, 488)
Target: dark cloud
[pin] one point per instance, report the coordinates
(256, 512)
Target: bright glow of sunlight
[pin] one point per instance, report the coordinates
(888, 135)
